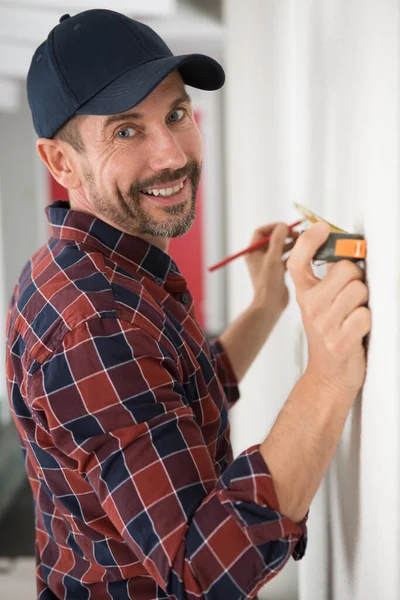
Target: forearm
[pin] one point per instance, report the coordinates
(302, 443)
(245, 337)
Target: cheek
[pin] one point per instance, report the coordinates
(117, 169)
(195, 143)
(190, 141)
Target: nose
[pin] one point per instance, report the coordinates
(165, 151)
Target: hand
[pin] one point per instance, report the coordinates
(334, 312)
(267, 269)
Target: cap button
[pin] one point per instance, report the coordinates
(64, 17)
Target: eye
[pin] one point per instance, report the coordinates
(128, 132)
(176, 115)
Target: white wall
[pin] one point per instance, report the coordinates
(22, 207)
(348, 147)
(313, 115)
(22, 201)
(260, 162)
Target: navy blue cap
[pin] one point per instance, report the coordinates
(100, 62)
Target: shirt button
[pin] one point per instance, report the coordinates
(159, 280)
(185, 298)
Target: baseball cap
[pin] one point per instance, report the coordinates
(101, 62)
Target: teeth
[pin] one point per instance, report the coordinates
(165, 191)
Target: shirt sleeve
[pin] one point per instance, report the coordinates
(114, 401)
(225, 372)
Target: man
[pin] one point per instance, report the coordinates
(120, 401)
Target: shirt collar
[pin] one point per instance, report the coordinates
(123, 248)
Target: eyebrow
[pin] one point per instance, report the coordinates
(184, 97)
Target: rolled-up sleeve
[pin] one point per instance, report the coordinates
(114, 402)
(225, 372)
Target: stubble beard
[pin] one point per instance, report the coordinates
(128, 214)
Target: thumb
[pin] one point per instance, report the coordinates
(277, 241)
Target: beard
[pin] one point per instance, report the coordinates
(129, 213)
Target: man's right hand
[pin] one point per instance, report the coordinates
(304, 438)
(334, 313)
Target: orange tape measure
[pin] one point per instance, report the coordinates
(340, 244)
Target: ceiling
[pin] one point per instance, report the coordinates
(24, 24)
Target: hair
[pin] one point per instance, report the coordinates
(70, 133)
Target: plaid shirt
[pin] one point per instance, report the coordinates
(121, 405)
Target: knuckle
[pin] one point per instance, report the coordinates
(359, 325)
(364, 318)
(336, 346)
(359, 290)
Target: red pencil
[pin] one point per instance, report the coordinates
(249, 249)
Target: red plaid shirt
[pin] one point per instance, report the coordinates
(121, 405)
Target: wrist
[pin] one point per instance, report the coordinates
(265, 309)
(329, 387)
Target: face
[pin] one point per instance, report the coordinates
(140, 170)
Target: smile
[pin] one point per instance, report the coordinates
(165, 192)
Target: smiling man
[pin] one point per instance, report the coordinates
(120, 401)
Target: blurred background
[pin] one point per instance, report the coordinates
(309, 113)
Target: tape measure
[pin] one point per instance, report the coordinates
(340, 244)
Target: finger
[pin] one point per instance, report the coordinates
(354, 295)
(287, 247)
(262, 232)
(340, 275)
(299, 263)
(277, 241)
(357, 325)
(266, 230)
(329, 267)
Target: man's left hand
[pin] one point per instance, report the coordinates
(267, 268)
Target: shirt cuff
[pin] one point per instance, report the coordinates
(225, 372)
(255, 504)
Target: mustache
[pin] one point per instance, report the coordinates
(190, 169)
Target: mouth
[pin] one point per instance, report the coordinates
(172, 193)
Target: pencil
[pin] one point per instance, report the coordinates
(262, 242)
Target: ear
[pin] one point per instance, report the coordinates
(58, 158)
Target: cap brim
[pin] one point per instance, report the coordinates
(129, 89)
